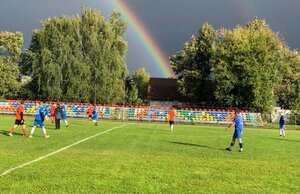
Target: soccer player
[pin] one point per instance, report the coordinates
(52, 112)
(19, 120)
(95, 115)
(238, 130)
(58, 113)
(281, 125)
(89, 112)
(47, 112)
(171, 118)
(64, 114)
(39, 120)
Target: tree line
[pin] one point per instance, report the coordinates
(249, 66)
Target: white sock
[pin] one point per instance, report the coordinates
(171, 127)
(280, 132)
(32, 130)
(283, 133)
(66, 122)
(44, 130)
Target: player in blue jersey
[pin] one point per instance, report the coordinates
(39, 120)
(281, 125)
(64, 114)
(95, 115)
(47, 112)
(238, 130)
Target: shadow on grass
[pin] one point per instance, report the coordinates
(151, 129)
(195, 145)
(284, 139)
(6, 133)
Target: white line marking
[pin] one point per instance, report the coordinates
(62, 149)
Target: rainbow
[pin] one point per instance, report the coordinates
(160, 58)
(246, 9)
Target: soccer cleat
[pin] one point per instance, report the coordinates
(229, 149)
(30, 136)
(47, 136)
(67, 125)
(241, 150)
(10, 134)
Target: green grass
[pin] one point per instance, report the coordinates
(147, 158)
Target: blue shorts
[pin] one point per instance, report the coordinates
(281, 126)
(38, 123)
(237, 134)
(95, 117)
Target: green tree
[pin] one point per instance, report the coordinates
(132, 95)
(247, 60)
(141, 78)
(79, 58)
(193, 66)
(10, 50)
(288, 89)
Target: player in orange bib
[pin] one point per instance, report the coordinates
(89, 112)
(171, 118)
(52, 112)
(19, 120)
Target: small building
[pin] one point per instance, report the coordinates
(163, 92)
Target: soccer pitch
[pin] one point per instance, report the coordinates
(117, 157)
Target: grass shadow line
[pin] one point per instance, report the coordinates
(6, 133)
(191, 144)
(284, 139)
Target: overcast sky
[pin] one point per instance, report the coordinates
(170, 22)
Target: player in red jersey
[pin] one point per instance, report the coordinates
(89, 112)
(171, 118)
(52, 112)
(19, 120)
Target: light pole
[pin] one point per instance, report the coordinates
(124, 99)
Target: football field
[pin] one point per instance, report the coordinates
(123, 157)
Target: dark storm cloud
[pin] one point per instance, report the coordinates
(174, 21)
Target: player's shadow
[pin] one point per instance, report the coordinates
(149, 129)
(6, 133)
(284, 139)
(195, 145)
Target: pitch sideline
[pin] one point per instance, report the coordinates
(62, 149)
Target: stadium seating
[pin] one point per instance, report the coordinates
(145, 113)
